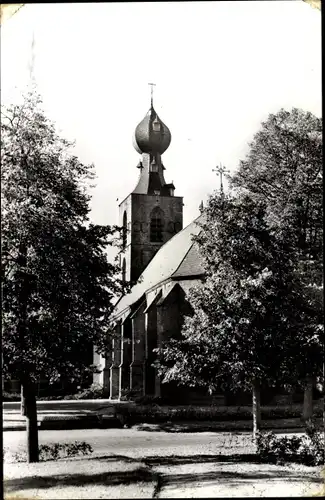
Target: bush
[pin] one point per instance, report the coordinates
(10, 396)
(54, 451)
(307, 449)
(150, 411)
(64, 450)
(313, 447)
(95, 391)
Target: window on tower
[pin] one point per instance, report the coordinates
(124, 230)
(156, 226)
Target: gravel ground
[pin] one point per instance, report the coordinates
(95, 478)
(78, 479)
(143, 464)
(238, 480)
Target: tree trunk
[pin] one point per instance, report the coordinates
(29, 402)
(307, 412)
(256, 408)
(22, 402)
(323, 396)
(28, 393)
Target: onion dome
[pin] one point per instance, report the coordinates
(151, 135)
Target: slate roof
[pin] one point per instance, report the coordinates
(191, 265)
(179, 257)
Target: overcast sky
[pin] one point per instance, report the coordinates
(220, 68)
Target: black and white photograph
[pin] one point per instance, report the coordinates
(162, 250)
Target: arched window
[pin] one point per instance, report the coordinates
(124, 271)
(156, 225)
(124, 230)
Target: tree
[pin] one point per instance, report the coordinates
(284, 169)
(249, 309)
(58, 286)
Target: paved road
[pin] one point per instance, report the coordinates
(91, 404)
(138, 444)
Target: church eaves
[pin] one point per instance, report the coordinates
(177, 256)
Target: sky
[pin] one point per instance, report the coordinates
(220, 69)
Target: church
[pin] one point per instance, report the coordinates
(160, 257)
(164, 262)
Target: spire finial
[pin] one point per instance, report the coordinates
(220, 170)
(201, 206)
(152, 85)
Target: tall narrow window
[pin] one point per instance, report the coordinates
(124, 230)
(156, 226)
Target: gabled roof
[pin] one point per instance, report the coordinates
(178, 257)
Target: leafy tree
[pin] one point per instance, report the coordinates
(58, 286)
(252, 321)
(284, 169)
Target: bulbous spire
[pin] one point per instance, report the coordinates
(151, 135)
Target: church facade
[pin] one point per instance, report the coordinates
(163, 261)
(160, 256)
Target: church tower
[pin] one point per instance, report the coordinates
(151, 214)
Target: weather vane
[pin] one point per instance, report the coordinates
(152, 85)
(220, 170)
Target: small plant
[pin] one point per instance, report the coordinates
(54, 451)
(95, 391)
(10, 396)
(274, 449)
(313, 445)
(307, 449)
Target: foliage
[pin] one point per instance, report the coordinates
(154, 413)
(308, 449)
(58, 286)
(252, 319)
(55, 451)
(284, 169)
(258, 316)
(95, 391)
(274, 449)
(10, 396)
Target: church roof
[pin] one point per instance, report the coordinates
(176, 259)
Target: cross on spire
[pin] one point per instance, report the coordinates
(220, 170)
(152, 85)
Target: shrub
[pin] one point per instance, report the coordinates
(53, 451)
(148, 410)
(10, 396)
(95, 391)
(313, 446)
(307, 449)
(63, 450)
(274, 449)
